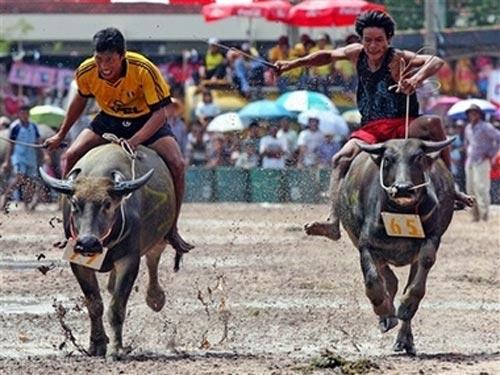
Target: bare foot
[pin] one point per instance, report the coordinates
(323, 228)
(466, 200)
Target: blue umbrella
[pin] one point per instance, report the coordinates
(303, 100)
(263, 109)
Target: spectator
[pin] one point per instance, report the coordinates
(206, 110)
(290, 136)
(219, 155)
(197, 148)
(345, 71)
(320, 76)
(457, 153)
(482, 142)
(273, 149)
(253, 134)
(327, 149)
(309, 141)
(248, 73)
(23, 159)
(248, 158)
(215, 62)
(282, 51)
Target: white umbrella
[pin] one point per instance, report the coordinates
(457, 110)
(227, 122)
(329, 122)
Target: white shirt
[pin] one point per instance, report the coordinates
(204, 110)
(310, 141)
(269, 143)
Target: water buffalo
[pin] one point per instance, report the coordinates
(397, 177)
(99, 211)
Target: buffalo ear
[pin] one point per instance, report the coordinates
(433, 149)
(376, 151)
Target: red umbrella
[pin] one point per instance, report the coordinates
(329, 12)
(273, 10)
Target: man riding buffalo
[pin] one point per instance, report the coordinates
(382, 107)
(135, 103)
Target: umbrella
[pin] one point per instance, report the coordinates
(329, 122)
(272, 10)
(328, 12)
(457, 110)
(302, 100)
(47, 114)
(352, 116)
(227, 122)
(263, 109)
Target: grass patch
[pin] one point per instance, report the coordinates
(330, 360)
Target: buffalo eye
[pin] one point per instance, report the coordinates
(388, 160)
(107, 205)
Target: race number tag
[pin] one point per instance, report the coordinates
(403, 225)
(94, 261)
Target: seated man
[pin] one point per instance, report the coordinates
(135, 102)
(382, 109)
(215, 62)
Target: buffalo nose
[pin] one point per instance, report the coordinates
(403, 188)
(88, 243)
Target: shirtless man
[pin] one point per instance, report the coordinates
(382, 107)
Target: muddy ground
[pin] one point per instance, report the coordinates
(256, 296)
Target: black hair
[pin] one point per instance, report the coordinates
(109, 40)
(375, 18)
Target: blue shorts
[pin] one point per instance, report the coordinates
(25, 169)
(126, 128)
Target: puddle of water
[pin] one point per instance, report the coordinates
(21, 265)
(14, 305)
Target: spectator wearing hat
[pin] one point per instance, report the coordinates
(22, 157)
(215, 62)
(482, 142)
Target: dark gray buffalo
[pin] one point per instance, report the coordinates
(397, 177)
(99, 213)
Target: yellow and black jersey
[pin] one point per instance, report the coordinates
(140, 90)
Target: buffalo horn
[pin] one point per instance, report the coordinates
(430, 146)
(376, 149)
(125, 187)
(61, 186)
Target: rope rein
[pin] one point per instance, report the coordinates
(34, 145)
(404, 72)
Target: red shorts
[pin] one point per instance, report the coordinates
(381, 130)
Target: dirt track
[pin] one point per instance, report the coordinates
(277, 300)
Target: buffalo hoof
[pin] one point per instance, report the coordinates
(97, 349)
(323, 228)
(462, 199)
(387, 323)
(118, 353)
(156, 299)
(406, 345)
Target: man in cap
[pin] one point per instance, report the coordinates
(215, 62)
(482, 142)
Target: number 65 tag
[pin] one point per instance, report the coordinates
(402, 225)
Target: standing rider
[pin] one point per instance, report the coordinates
(135, 103)
(382, 108)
